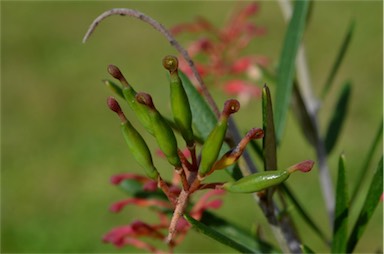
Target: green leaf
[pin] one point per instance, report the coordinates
(371, 201)
(135, 189)
(269, 140)
(338, 117)
(363, 171)
(306, 124)
(114, 87)
(339, 59)
(286, 67)
(305, 216)
(340, 224)
(228, 234)
(306, 250)
(204, 120)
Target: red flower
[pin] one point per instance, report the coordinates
(132, 233)
(219, 51)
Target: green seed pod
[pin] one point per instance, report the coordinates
(179, 101)
(129, 94)
(263, 180)
(135, 142)
(212, 145)
(162, 131)
(257, 182)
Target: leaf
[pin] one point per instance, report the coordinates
(286, 67)
(306, 124)
(305, 216)
(228, 234)
(340, 224)
(203, 118)
(306, 250)
(338, 117)
(368, 159)
(114, 87)
(135, 189)
(339, 59)
(371, 201)
(269, 140)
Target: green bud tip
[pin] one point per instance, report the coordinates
(230, 106)
(170, 63)
(145, 99)
(115, 107)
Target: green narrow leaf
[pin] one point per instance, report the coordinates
(269, 140)
(204, 120)
(306, 250)
(114, 87)
(305, 216)
(339, 59)
(340, 224)
(286, 67)
(228, 234)
(300, 111)
(337, 120)
(371, 201)
(363, 171)
(202, 228)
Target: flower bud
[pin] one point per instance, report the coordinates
(212, 145)
(263, 180)
(135, 142)
(181, 109)
(129, 95)
(161, 130)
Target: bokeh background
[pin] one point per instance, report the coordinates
(60, 143)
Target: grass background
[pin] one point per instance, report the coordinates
(60, 143)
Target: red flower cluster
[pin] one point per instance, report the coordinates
(220, 50)
(133, 233)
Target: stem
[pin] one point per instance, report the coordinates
(181, 204)
(165, 188)
(183, 177)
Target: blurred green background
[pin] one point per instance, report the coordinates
(60, 143)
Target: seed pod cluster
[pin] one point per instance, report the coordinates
(191, 173)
